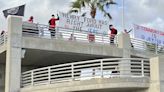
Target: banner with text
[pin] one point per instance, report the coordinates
(149, 35)
(79, 23)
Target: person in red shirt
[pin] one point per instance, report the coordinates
(52, 24)
(31, 19)
(112, 34)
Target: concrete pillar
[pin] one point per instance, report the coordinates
(124, 41)
(13, 54)
(125, 44)
(157, 74)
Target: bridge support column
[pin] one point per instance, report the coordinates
(13, 55)
(156, 74)
(125, 44)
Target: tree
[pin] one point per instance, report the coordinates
(94, 5)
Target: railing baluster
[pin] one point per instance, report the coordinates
(32, 78)
(4, 38)
(142, 67)
(101, 67)
(72, 71)
(49, 75)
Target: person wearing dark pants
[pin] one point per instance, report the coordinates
(52, 25)
(52, 30)
(112, 34)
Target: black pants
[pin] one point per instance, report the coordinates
(52, 30)
(112, 40)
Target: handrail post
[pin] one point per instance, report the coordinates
(1, 39)
(4, 38)
(102, 38)
(49, 75)
(57, 34)
(101, 68)
(72, 71)
(32, 78)
(142, 67)
(156, 48)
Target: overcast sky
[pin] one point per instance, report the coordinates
(149, 13)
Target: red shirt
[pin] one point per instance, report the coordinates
(52, 22)
(30, 20)
(113, 30)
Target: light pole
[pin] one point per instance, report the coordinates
(123, 16)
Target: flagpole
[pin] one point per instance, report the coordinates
(123, 16)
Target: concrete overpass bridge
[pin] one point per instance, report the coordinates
(28, 47)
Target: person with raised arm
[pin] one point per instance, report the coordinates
(52, 24)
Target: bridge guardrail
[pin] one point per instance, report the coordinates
(3, 38)
(39, 30)
(85, 70)
(43, 31)
(141, 45)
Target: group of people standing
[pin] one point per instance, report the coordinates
(52, 25)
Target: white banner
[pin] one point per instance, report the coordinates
(79, 23)
(149, 35)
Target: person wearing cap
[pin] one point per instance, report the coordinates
(52, 24)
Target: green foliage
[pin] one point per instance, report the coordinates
(77, 5)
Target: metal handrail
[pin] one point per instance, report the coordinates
(85, 70)
(43, 31)
(146, 46)
(3, 39)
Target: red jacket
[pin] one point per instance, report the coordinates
(52, 22)
(113, 31)
(30, 20)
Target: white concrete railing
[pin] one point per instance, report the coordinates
(141, 45)
(43, 31)
(85, 70)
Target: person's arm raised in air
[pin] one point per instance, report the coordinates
(57, 17)
(130, 30)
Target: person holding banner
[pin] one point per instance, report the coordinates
(31, 19)
(52, 24)
(112, 34)
(127, 31)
